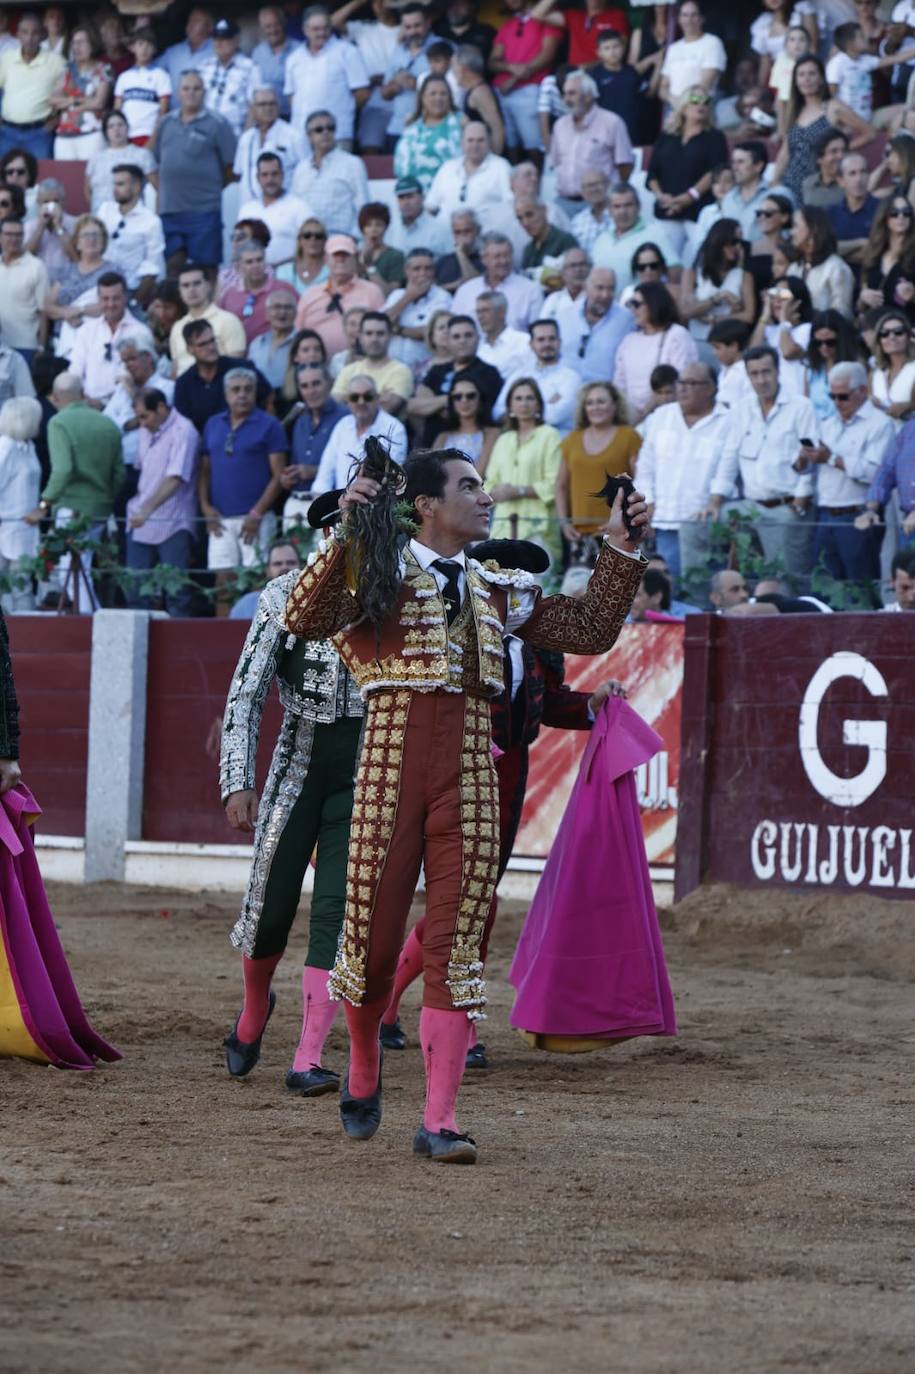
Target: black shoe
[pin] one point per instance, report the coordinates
(445, 1147)
(476, 1058)
(391, 1036)
(361, 1116)
(313, 1082)
(241, 1058)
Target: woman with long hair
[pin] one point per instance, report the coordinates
(811, 111)
(895, 174)
(308, 267)
(469, 424)
(718, 287)
(431, 135)
(888, 261)
(602, 444)
(522, 470)
(892, 379)
(659, 337)
(829, 278)
(773, 222)
(647, 264)
(80, 98)
(682, 162)
(116, 148)
(784, 324)
(833, 339)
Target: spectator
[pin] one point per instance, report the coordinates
(505, 349)
(23, 290)
(271, 56)
(316, 417)
(308, 266)
(785, 326)
(902, 570)
(727, 588)
(196, 290)
(523, 53)
(545, 243)
(695, 61)
(165, 310)
(12, 202)
(29, 76)
(719, 287)
(305, 347)
(116, 150)
(648, 265)
(242, 457)
(283, 557)
(478, 99)
(48, 232)
(143, 93)
(888, 260)
(761, 448)
(437, 340)
(676, 464)
(847, 458)
(74, 296)
(326, 76)
(587, 138)
(460, 24)
(137, 354)
(195, 151)
(588, 224)
(659, 337)
(430, 403)
(775, 216)
(614, 247)
(892, 386)
(558, 382)
(200, 388)
(378, 262)
(322, 307)
(19, 171)
(683, 159)
(829, 280)
(853, 217)
(269, 351)
(822, 187)
(728, 340)
(432, 134)
(749, 192)
(352, 320)
(811, 112)
(377, 39)
(411, 307)
(267, 133)
(20, 484)
(469, 425)
(248, 301)
(228, 77)
(94, 357)
(86, 474)
(832, 340)
(895, 474)
(477, 180)
(523, 296)
(276, 207)
(114, 44)
(15, 378)
(594, 328)
(80, 99)
(195, 50)
(393, 379)
(332, 181)
(652, 601)
(576, 264)
(136, 244)
(408, 64)
(899, 165)
(602, 444)
(454, 269)
(365, 418)
(522, 471)
(162, 516)
(849, 74)
(769, 35)
(411, 225)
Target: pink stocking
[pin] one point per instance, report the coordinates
(364, 1049)
(257, 974)
(318, 1013)
(409, 967)
(443, 1036)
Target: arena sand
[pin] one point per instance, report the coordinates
(738, 1200)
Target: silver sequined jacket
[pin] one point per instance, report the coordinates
(310, 677)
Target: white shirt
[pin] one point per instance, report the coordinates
(685, 62)
(524, 299)
(136, 243)
(521, 601)
(677, 462)
(326, 81)
(507, 353)
(284, 218)
(861, 445)
(734, 386)
(426, 231)
(141, 89)
(559, 385)
(281, 139)
(558, 303)
(120, 410)
(761, 449)
(853, 81)
(23, 288)
(95, 358)
(416, 315)
(337, 190)
(453, 188)
(344, 448)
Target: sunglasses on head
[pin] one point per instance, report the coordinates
(356, 396)
(893, 332)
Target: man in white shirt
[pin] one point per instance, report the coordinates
(696, 59)
(136, 243)
(283, 213)
(333, 182)
(268, 133)
(676, 463)
(576, 264)
(411, 307)
(615, 247)
(228, 77)
(504, 348)
(477, 180)
(23, 290)
(559, 384)
(524, 297)
(326, 73)
(852, 444)
(411, 224)
(763, 450)
(95, 359)
(137, 352)
(348, 435)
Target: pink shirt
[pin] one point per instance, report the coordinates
(251, 306)
(600, 141)
(522, 40)
(639, 354)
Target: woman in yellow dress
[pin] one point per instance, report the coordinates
(601, 445)
(522, 470)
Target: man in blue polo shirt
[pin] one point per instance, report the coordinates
(244, 454)
(319, 414)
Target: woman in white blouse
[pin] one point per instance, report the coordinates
(892, 379)
(829, 279)
(20, 487)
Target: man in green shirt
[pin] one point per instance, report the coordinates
(87, 470)
(546, 241)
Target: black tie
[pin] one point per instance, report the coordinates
(451, 593)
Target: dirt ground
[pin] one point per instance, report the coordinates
(736, 1200)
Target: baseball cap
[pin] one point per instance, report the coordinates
(225, 28)
(340, 243)
(407, 185)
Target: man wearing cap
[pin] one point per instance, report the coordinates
(411, 224)
(333, 182)
(228, 77)
(322, 307)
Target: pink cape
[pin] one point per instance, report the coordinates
(41, 1016)
(590, 962)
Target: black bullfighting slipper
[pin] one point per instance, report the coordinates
(391, 1035)
(313, 1082)
(361, 1116)
(241, 1058)
(445, 1147)
(476, 1058)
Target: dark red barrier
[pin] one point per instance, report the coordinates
(190, 667)
(51, 663)
(798, 751)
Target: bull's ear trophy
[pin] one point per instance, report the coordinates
(376, 533)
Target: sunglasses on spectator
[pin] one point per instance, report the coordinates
(16, 172)
(122, 225)
(356, 396)
(900, 210)
(892, 332)
(840, 395)
(635, 302)
(697, 99)
(763, 213)
(229, 445)
(650, 265)
(247, 309)
(322, 128)
(312, 234)
(464, 395)
(825, 343)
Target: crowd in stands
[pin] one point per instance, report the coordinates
(674, 242)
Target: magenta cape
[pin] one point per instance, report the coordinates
(41, 1016)
(590, 962)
